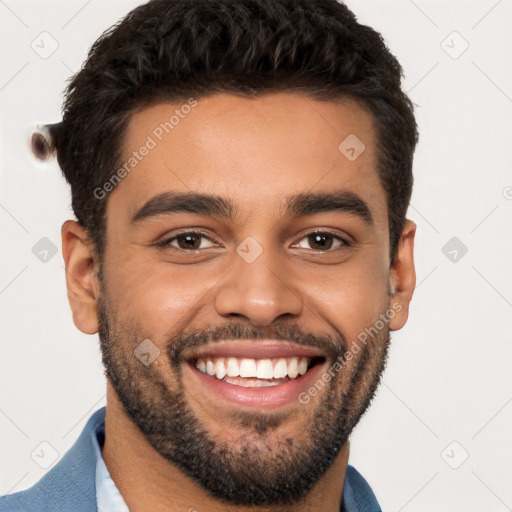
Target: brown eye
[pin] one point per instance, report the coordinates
(189, 241)
(322, 241)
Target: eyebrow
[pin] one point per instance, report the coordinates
(303, 204)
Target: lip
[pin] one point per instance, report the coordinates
(261, 349)
(208, 387)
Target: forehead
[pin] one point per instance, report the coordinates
(254, 150)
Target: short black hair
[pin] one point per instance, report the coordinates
(171, 50)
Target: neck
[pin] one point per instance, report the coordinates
(147, 481)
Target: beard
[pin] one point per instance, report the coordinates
(266, 465)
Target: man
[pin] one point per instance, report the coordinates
(240, 172)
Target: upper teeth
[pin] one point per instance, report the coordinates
(260, 368)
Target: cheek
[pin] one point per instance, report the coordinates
(352, 297)
(159, 298)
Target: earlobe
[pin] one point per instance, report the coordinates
(403, 276)
(81, 276)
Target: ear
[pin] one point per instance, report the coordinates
(81, 276)
(403, 276)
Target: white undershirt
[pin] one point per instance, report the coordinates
(108, 497)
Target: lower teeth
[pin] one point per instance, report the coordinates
(254, 383)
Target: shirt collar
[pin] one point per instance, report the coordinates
(108, 497)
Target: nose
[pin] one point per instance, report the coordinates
(260, 291)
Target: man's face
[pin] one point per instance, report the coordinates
(205, 287)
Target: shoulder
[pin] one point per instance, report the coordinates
(69, 485)
(357, 493)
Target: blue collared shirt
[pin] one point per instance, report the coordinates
(357, 494)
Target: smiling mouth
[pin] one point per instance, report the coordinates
(256, 372)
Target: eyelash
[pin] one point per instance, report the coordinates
(167, 242)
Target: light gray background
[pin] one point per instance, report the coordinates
(446, 393)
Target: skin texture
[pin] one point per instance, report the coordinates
(254, 152)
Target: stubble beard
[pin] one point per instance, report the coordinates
(263, 467)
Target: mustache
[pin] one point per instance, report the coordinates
(332, 346)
